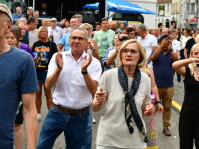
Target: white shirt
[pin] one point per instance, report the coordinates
(71, 90)
(184, 40)
(33, 37)
(148, 42)
(175, 46)
(57, 33)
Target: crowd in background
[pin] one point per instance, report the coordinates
(137, 66)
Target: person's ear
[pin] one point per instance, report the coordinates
(9, 26)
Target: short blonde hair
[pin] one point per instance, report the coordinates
(142, 60)
(39, 30)
(197, 39)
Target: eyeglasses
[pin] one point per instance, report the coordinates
(125, 51)
(79, 38)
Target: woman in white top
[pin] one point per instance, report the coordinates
(125, 93)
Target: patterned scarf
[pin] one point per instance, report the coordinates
(130, 106)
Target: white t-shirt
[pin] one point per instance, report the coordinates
(148, 42)
(184, 40)
(71, 90)
(57, 33)
(33, 37)
(175, 46)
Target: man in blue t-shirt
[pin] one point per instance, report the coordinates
(162, 59)
(17, 82)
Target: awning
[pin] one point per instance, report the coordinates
(121, 6)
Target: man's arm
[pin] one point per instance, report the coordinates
(90, 83)
(174, 56)
(155, 55)
(110, 60)
(60, 46)
(30, 119)
(52, 79)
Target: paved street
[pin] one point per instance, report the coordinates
(165, 142)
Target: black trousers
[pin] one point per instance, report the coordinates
(189, 127)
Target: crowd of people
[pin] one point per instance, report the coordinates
(125, 69)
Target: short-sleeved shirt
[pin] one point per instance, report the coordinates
(71, 90)
(57, 34)
(104, 40)
(64, 41)
(189, 45)
(163, 70)
(148, 42)
(44, 52)
(175, 46)
(17, 77)
(16, 16)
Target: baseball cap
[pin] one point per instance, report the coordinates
(53, 19)
(30, 8)
(125, 23)
(6, 10)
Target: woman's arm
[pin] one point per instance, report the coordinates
(154, 89)
(179, 66)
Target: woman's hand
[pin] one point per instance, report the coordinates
(149, 110)
(100, 96)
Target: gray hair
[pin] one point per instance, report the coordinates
(142, 26)
(79, 28)
(171, 31)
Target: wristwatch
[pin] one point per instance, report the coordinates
(85, 72)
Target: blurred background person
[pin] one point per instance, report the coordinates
(17, 15)
(43, 50)
(97, 28)
(66, 25)
(29, 12)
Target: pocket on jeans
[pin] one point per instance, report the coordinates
(53, 109)
(84, 116)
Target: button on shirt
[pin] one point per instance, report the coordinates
(57, 34)
(71, 90)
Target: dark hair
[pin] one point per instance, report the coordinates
(160, 24)
(31, 20)
(130, 29)
(104, 19)
(163, 37)
(188, 31)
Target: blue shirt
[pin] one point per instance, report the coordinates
(15, 17)
(163, 70)
(64, 41)
(17, 77)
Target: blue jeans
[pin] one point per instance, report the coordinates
(73, 125)
(89, 130)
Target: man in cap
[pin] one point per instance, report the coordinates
(55, 33)
(17, 83)
(29, 12)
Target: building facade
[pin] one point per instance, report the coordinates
(149, 20)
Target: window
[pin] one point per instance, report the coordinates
(193, 7)
(187, 7)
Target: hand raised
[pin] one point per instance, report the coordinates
(59, 61)
(86, 62)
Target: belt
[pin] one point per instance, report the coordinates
(71, 111)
